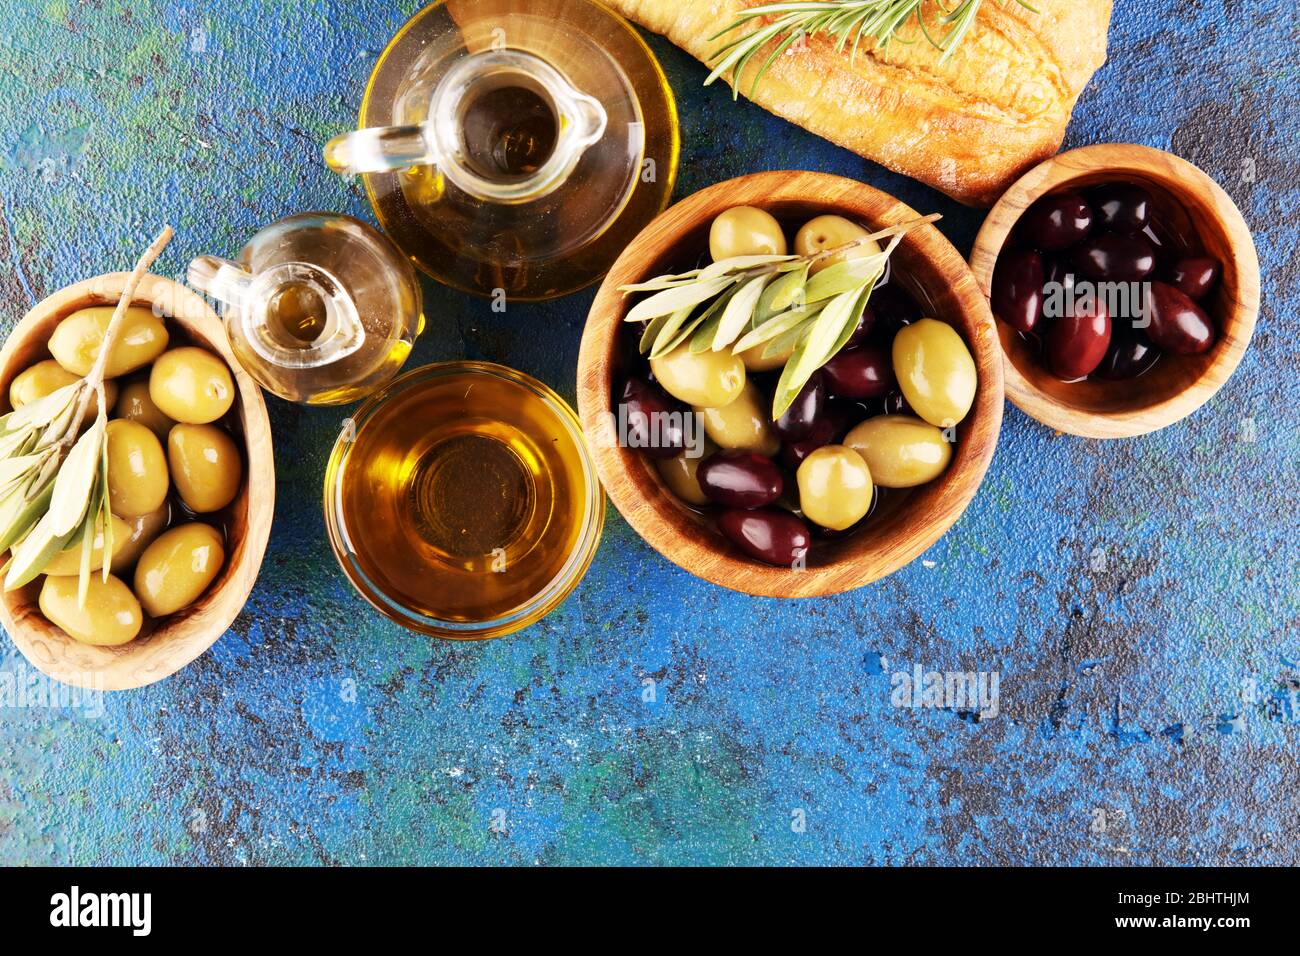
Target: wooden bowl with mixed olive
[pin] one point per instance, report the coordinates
(190, 481)
(844, 427)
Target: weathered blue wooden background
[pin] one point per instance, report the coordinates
(1138, 599)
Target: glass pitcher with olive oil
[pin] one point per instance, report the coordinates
(514, 147)
(320, 308)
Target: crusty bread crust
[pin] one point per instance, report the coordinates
(968, 127)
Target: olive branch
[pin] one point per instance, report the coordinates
(774, 301)
(53, 476)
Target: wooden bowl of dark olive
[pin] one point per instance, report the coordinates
(1126, 287)
(164, 638)
(789, 495)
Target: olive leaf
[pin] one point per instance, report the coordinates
(687, 330)
(738, 312)
(775, 326)
(843, 277)
(742, 264)
(786, 341)
(670, 300)
(780, 295)
(651, 332)
(661, 282)
(817, 348)
(854, 316)
(706, 331)
(21, 510)
(73, 490)
(667, 332)
(787, 290)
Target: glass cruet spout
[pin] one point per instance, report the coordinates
(461, 142)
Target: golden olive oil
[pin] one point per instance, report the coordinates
(465, 495)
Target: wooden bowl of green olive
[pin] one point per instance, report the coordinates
(792, 384)
(190, 478)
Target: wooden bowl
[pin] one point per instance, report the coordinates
(1178, 384)
(906, 523)
(175, 640)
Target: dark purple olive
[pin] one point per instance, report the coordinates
(1076, 343)
(893, 308)
(796, 422)
(649, 420)
(862, 331)
(740, 479)
(1057, 270)
(1058, 287)
(1121, 207)
(1018, 288)
(1111, 257)
(1130, 354)
(770, 534)
(850, 411)
(1056, 222)
(1178, 324)
(1195, 277)
(864, 372)
(831, 426)
(895, 404)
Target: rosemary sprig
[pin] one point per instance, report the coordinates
(747, 301)
(53, 476)
(845, 20)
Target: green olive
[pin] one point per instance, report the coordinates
(834, 487)
(755, 362)
(110, 616)
(76, 340)
(707, 379)
(141, 531)
(901, 451)
(745, 422)
(137, 469)
(935, 371)
(205, 465)
(679, 474)
(38, 381)
(745, 231)
(831, 232)
(46, 377)
(68, 561)
(191, 385)
(136, 405)
(178, 567)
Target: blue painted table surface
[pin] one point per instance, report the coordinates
(1138, 599)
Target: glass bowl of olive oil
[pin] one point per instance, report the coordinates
(461, 500)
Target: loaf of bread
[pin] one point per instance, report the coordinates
(968, 126)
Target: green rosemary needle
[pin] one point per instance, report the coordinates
(845, 20)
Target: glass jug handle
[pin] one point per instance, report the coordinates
(380, 149)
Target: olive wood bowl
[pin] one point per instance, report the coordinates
(170, 643)
(1178, 384)
(907, 522)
